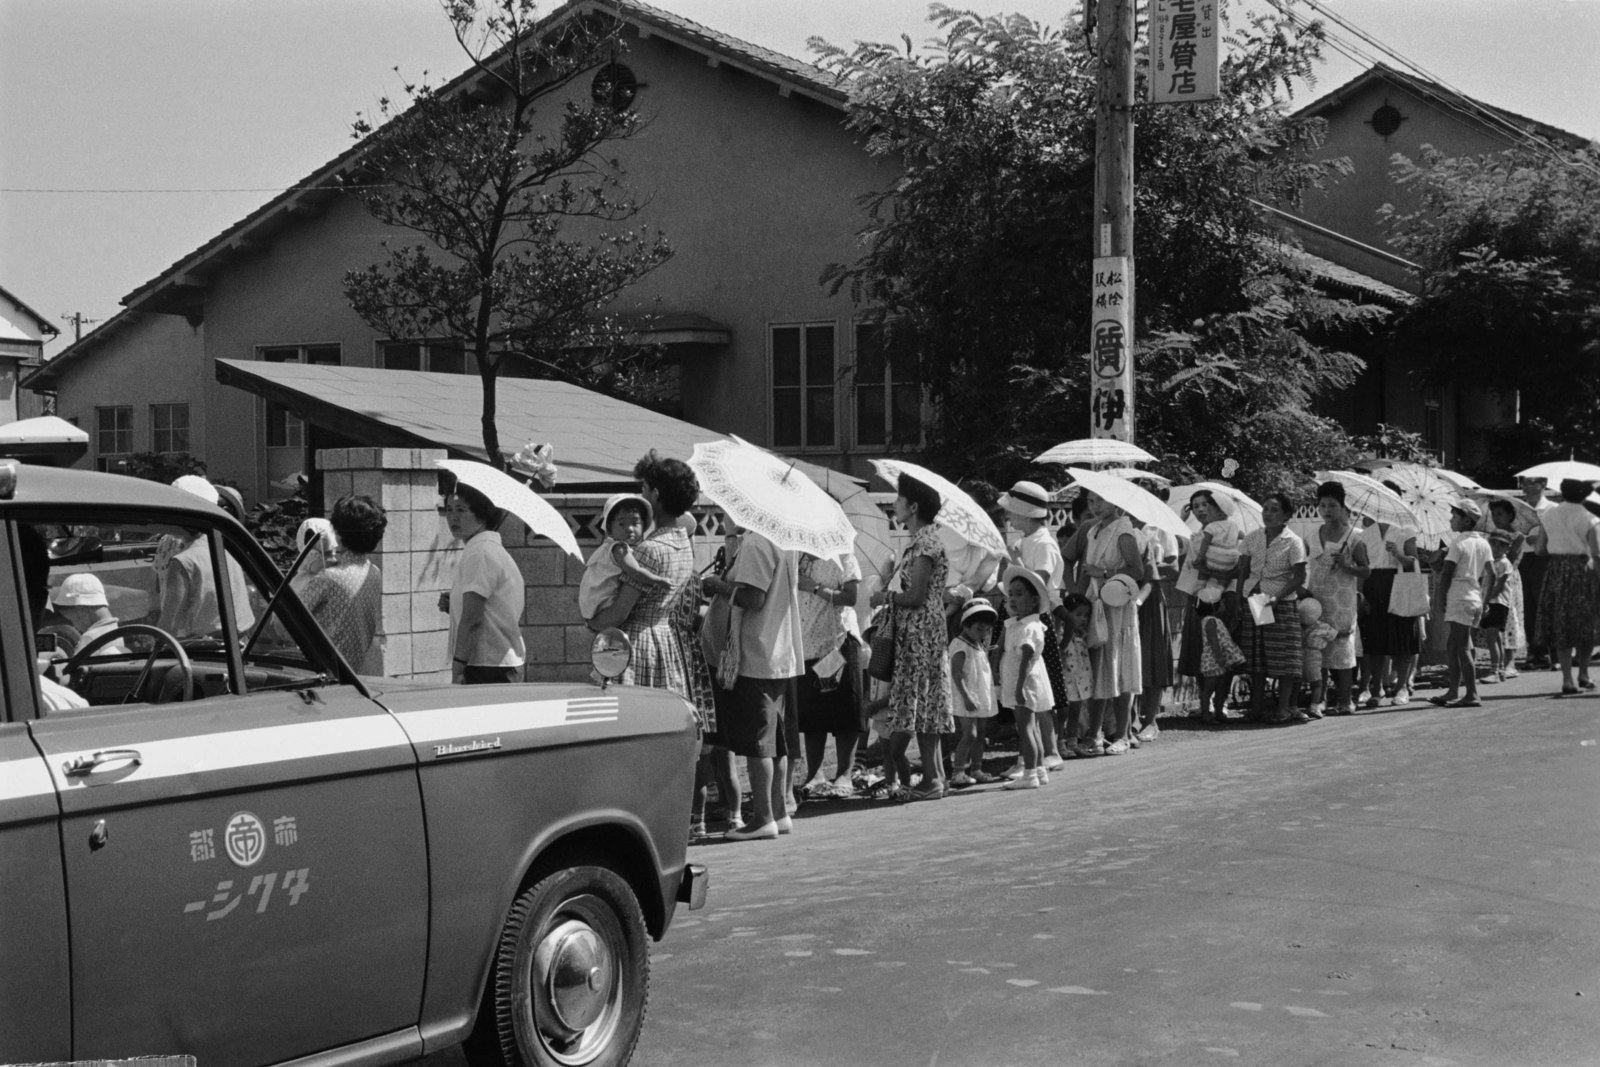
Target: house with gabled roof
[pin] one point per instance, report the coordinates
(1371, 118)
(23, 333)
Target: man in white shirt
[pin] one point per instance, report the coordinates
(771, 659)
(36, 584)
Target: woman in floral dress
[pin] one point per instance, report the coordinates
(1336, 565)
(919, 695)
(661, 620)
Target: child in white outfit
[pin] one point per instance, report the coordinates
(1024, 683)
(626, 521)
(1218, 545)
(972, 689)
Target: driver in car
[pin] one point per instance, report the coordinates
(81, 600)
(36, 582)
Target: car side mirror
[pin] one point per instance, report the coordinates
(611, 654)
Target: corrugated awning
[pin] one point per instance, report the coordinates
(597, 438)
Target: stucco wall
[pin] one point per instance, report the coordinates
(1350, 205)
(153, 359)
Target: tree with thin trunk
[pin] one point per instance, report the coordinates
(506, 172)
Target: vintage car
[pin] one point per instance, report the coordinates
(217, 840)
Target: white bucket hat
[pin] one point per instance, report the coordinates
(618, 499)
(1027, 499)
(977, 608)
(1118, 590)
(193, 483)
(80, 591)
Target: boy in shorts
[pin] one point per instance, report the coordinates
(1497, 598)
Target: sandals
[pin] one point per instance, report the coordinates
(926, 794)
(900, 794)
(1444, 701)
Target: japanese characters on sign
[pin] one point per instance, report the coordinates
(1110, 350)
(1183, 51)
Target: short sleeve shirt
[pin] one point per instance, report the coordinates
(824, 624)
(769, 638)
(486, 568)
(1272, 565)
(1566, 529)
(1471, 554)
(1040, 552)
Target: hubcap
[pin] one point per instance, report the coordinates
(577, 991)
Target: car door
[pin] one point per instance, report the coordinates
(246, 872)
(35, 998)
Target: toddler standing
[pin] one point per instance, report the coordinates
(626, 521)
(1024, 685)
(1077, 682)
(1220, 655)
(972, 686)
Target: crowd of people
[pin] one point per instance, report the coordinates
(1079, 637)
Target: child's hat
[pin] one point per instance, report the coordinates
(978, 609)
(1209, 594)
(1117, 590)
(1467, 507)
(1027, 499)
(625, 498)
(1501, 537)
(1041, 588)
(1310, 611)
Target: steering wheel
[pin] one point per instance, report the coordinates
(139, 629)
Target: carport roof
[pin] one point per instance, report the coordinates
(597, 438)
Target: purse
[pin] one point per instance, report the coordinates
(1408, 598)
(880, 664)
(1099, 629)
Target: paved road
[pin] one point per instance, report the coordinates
(1413, 887)
(1404, 887)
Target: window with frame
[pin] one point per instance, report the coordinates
(166, 579)
(888, 394)
(804, 373)
(284, 429)
(169, 428)
(113, 436)
(440, 357)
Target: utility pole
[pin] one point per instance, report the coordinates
(78, 323)
(1111, 357)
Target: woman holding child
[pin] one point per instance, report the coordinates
(661, 619)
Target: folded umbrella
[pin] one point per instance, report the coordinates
(959, 513)
(1138, 502)
(506, 492)
(764, 492)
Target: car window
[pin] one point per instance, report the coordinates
(136, 615)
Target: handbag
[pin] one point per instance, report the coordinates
(880, 664)
(1099, 629)
(1409, 598)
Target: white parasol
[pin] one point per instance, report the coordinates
(958, 512)
(1134, 474)
(765, 493)
(1138, 502)
(1094, 452)
(1428, 496)
(1557, 470)
(1234, 503)
(506, 492)
(1364, 496)
(1525, 518)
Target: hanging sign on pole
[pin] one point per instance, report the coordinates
(1110, 350)
(1183, 51)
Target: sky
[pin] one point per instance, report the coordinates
(203, 108)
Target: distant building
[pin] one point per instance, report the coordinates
(1376, 115)
(23, 333)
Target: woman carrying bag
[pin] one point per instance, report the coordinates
(1397, 596)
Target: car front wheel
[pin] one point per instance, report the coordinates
(572, 972)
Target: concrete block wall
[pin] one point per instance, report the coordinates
(418, 559)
